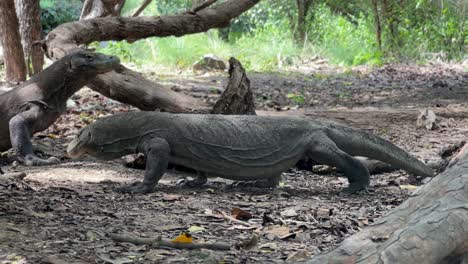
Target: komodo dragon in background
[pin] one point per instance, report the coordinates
(37, 103)
(243, 148)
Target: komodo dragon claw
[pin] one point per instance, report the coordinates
(32, 160)
(135, 188)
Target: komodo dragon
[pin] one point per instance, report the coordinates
(244, 148)
(37, 103)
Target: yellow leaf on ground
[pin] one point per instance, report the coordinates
(183, 238)
(52, 136)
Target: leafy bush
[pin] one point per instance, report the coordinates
(54, 13)
(344, 41)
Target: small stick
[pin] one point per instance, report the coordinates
(159, 242)
(13, 176)
(232, 219)
(141, 8)
(200, 7)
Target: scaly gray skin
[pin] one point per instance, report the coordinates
(244, 148)
(37, 103)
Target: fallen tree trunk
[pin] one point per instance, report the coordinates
(128, 86)
(430, 227)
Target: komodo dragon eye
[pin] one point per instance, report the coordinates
(89, 56)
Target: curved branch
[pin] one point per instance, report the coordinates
(67, 37)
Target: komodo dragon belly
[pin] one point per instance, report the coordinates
(244, 151)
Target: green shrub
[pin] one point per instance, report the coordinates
(54, 13)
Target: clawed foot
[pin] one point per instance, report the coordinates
(196, 183)
(355, 188)
(33, 160)
(136, 188)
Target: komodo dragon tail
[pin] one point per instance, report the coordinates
(360, 143)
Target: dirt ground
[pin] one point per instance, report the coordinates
(65, 213)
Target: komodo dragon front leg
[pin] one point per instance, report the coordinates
(157, 153)
(21, 127)
(324, 150)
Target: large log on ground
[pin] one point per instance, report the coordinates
(430, 227)
(128, 86)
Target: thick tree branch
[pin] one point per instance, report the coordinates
(67, 37)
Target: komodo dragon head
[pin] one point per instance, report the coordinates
(79, 145)
(84, 61)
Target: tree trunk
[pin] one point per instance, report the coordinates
(126, 85)
(378, 26)
(101, 8)
(29, 15)
(11, 41)
(237, 97)
(430, 227)
(391, 15)
(303, 7)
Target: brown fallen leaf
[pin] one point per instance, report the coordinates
(297, 256)
(240, 214)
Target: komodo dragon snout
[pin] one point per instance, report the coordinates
(77, 147)
(86, 61)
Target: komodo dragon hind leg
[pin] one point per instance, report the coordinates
(157, 153)
(326, 151)
(20, 137)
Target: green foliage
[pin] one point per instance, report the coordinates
(431, 27)
(296, 98)
(344, 41)
(272, 13)
(56, 12)
(182, 52)
(342, 31)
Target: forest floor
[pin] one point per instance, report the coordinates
(64, 213)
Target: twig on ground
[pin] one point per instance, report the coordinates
(13, 176)
(160, 242)
(232, 219)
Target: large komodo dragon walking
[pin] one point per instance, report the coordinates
(244, 148)
(37, 103)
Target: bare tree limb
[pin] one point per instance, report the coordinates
(159, 242)
(202, 6)
(126, 85)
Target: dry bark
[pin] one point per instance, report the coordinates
(29, 15)
(430, 227)
(124, 84)
(237, 97)
(15, 66)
